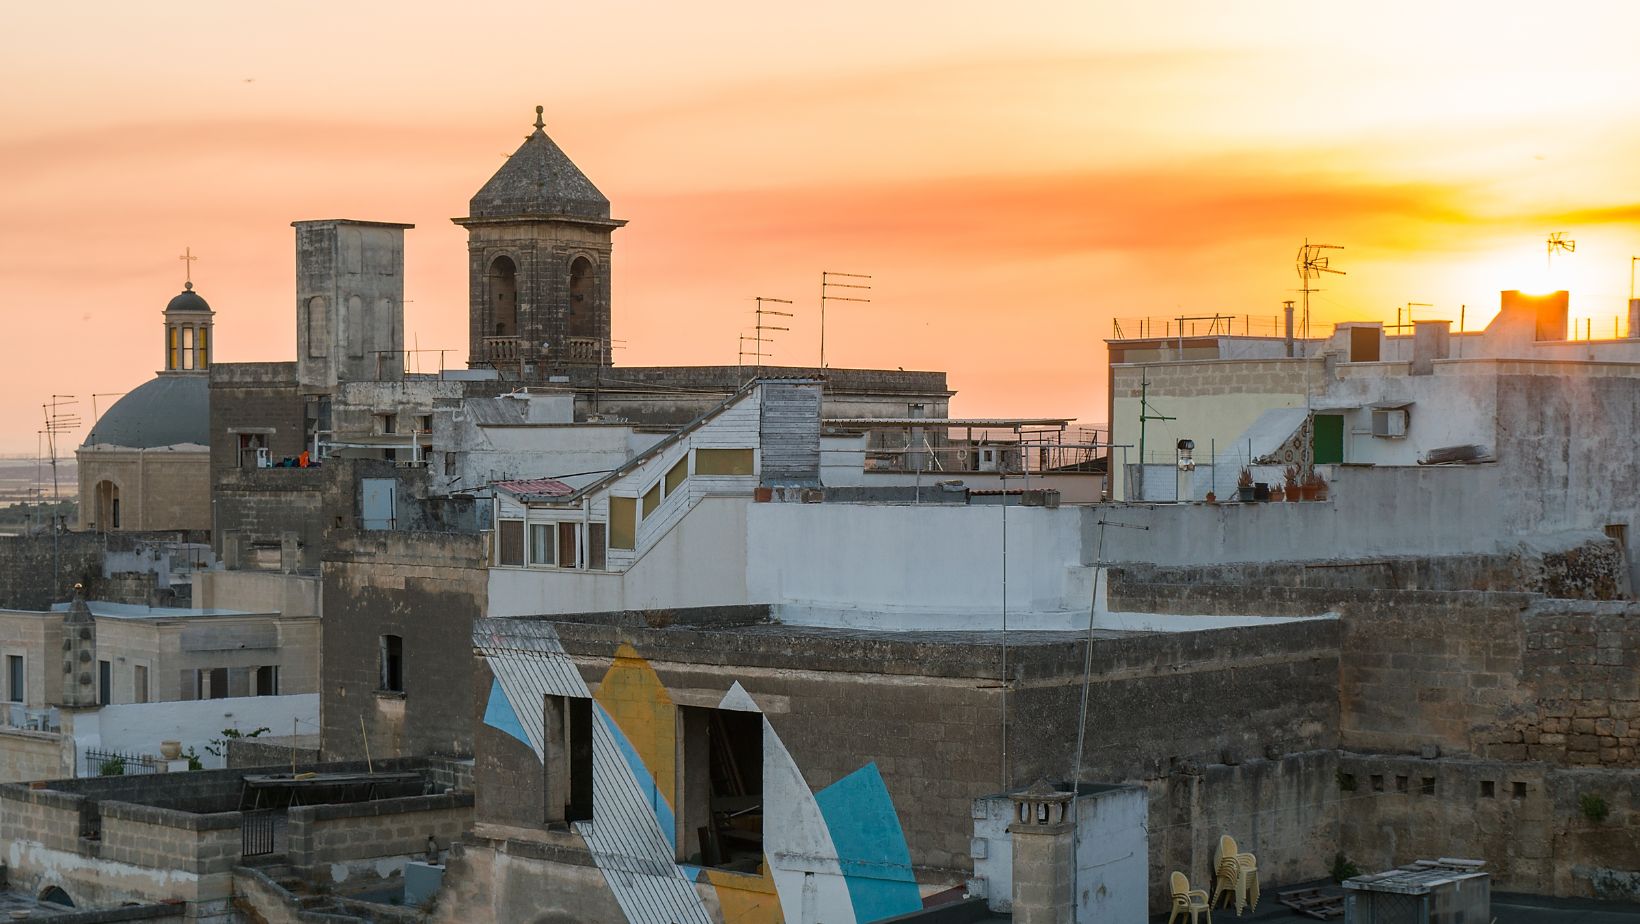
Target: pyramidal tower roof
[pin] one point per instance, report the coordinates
(539, 181)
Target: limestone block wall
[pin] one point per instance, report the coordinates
(158, 838)
(325, 836)
(26, 755)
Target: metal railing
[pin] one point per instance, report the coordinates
(117, 763)
(260, 832)
(1210, 325)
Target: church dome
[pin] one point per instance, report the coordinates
(164, 411)
(189, 300)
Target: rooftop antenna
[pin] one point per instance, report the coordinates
(1557, 242)
(759, 339)
(826, 285)
(58, 420)
(1311, 264)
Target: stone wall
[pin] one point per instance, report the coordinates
(324, 836)
(28, 755)
(425, 588)
(928, 710)
(26, 568)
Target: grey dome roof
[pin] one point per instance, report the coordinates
(189, 300)
(164, 411)
(539, 181)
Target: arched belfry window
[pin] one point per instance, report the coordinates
(583, 279)
(504, 297)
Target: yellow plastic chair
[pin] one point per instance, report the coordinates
(1235, 873)
(1187, 900)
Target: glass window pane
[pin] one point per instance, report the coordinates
(651, 500)
(541, 543)
(723, 462)
(512, 543)
(623, 522)
(676, 475)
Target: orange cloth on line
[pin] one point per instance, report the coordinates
(302, 460)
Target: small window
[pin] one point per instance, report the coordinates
(105, 683)
(424, 423)
(392, 663)
(15, 688)
(540, 543)
(139, 683)
(450, 463)
(1427, 786)
(566, 779)
(1488, 789)
(211, 683)
(511, 551)
(1401, 784)
(651, 500)
(1519, 790)
(1389, 423)
(595, 546)
(187, 348)
(267, 680)
(723, 461)
(623, 522)
(1377, 782)
(567, 557)
(676, 475)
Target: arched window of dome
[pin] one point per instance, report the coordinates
(582, 283)
(173, 358)
(204, 346)
(187, 347)
(503, 279)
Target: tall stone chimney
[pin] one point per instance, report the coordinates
(1431, 340)
(1044, 844)
(79, 653)
(1634, 318)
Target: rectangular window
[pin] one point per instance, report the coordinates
(566, 546)
(511, 551)
(424, 423)
(651, 500)
(721, 789)
(595, 546)
(389, 422)
(204, 348)
(723, 461)
(15, 690)
(676, 474)
(105, 683)
(540, 543)
(211, 683)
(187, 348)
(172, 361)
(392, 663)
(566, 776)
(623, 515)
(139, 683)
(267, 681)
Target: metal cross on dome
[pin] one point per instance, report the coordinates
(188, 259)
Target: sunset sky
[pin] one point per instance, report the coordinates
(1011, 175)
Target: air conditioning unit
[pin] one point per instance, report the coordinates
(1390, 423)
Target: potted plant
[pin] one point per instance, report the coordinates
(1279, 494)
(1290, 482)
(1313, 487)
(1212, 498)
(1244, 486)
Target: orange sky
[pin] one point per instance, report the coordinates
(1012, 176)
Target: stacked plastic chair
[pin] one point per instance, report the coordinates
(1187, 900)
(1235, 873)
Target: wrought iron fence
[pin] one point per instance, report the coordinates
(116, 763)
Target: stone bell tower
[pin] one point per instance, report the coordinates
(79, 653)
(538, 243)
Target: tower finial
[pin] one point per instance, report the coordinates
(538, 123)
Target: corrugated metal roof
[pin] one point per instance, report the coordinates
(538, 487)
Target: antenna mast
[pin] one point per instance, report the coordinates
(826, 285)
(1311, 264)
(758, 339)
(58, 420)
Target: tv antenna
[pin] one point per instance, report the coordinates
(759, 339)
(58, 420)
(1311, 264)
(826, 286)
(1557, 242)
